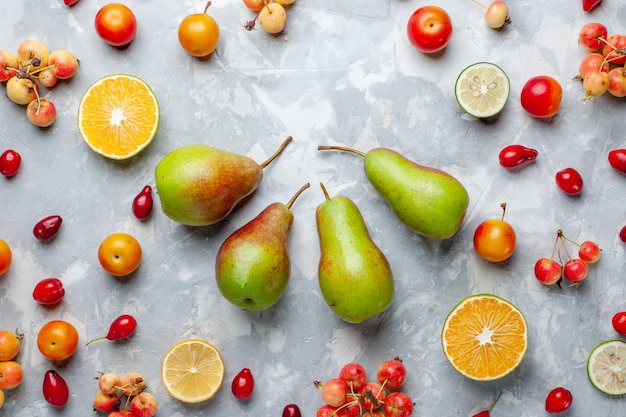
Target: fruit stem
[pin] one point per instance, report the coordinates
(265, 2)
(480, 4)
(494, 402)
(340, 148)
(324, 191)
(278, 152)
(208, 4)
(297, 194)
(93, 340)
(503, 205)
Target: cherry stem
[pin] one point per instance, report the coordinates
(297, 194)
(278, 152)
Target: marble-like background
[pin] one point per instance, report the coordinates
(342, 73)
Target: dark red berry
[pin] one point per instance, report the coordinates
(142, 203)
(55, 389)
(291, 410)
(47, 228)
(10, 162)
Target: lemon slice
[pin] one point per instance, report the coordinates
(485, 337)
(482, 89)
(606, 367)
(118, 116)
(192, 371)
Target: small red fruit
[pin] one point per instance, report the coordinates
(588, 5)
(47, 228)
(516, 156)
(619, 322)
(569, 181)
(10, 163)
(617, 160)
(55, 389)
(558, 400)
(49, 291)
(391, 374)
(70, 2)
(122, 327)
(243, 384)
(398, 404)
(142, 203)
(291, 410)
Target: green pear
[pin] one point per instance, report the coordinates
(199, 185)
(354, 275)
(252, 267)
(428, 200)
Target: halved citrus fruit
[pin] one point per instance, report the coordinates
(118, 116)
(192, 371)
(485, 337)
(482, 89)
(606, 367)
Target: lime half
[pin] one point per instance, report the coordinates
(482, 89)
(606, 367)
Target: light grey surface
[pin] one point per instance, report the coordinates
(343, 73)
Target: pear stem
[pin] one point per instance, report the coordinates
(278, 152)
(324, 191)
(340, 148)
(297, 194)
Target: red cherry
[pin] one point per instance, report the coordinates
(142, 203)
(10, 163)
(47, 228)
(49, 291)
(617, 160)
(122, 327)
(622, 234)
(55, 389)
(569, 181)
(516, 156)
(558, 400)
(243, 384)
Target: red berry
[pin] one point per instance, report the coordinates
(569, 181)
(619, 322)
(55, 389)
(243, 384)
(10, 163)
(515, 156)
(49, 291)
(617, 160)
(588, 5)
(558, 400)
(142, 203)
(622, 234)
(122, 327)
(291, 410)
(47, 228)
